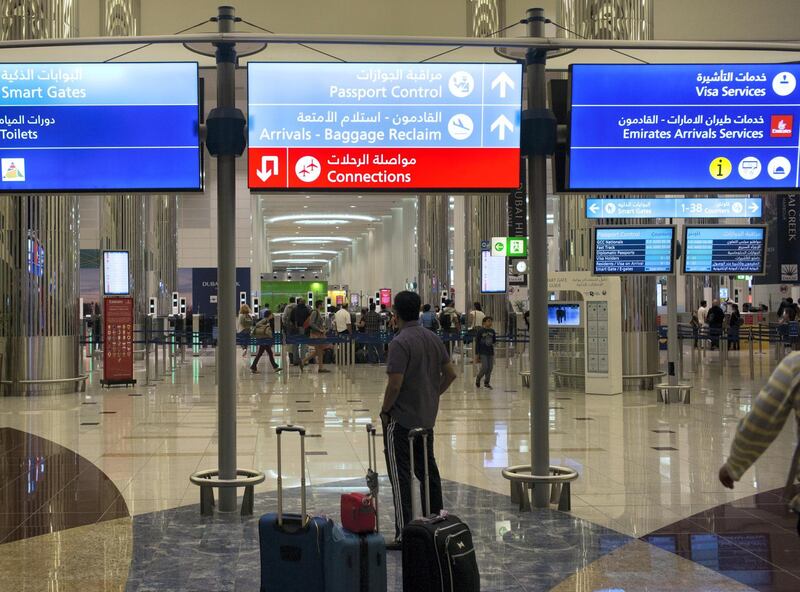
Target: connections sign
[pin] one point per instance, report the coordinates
(383, 126)
(664, 127)
(99, 127)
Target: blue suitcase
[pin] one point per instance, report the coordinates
(293, 545)
(357, 562)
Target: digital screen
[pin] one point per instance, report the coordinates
(700, 127)
(633, 250)
(115, 273)
(564, 314)
(99, 127)
(383, 126)
(667, 207)
(493, 274)
(355, 300)
(743, 557)
(728, 250)
(386, 297)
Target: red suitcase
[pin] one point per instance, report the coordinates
(360, 510)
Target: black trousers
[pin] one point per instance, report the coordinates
(398, 462)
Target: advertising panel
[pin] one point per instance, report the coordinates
(701, 127)
(118, 340)
(383, 126)
(99, 127)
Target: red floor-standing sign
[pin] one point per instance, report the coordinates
(118, 341)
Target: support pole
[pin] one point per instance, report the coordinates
(537, 264)
(673, 342)
(226, 272)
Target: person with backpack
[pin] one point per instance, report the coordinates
(244, 325)
(450, 322)
(289, 328)
(734, 325)
(300, 314)
(485, 338)
(315, 324)
(779, 399)
(264, 332)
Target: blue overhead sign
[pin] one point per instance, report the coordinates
(99, 127)
(684, 127)
(383, 125)
(634, 250)
(729, 250)
(723, 207)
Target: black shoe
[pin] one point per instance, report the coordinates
(277, 368)
(489, 386)
(394, 545)
(477, 384)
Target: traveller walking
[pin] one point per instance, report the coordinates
(734, 325)
(451, 324)
(695, 324)
(474, 321)
(316, 326)
(244, 325)
(264, 332)
(343, 322)
(759, 428)
(300, 313)
(371, 321)
(485, 338)
(419, 371)
(289, 328)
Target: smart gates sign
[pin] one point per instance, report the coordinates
(99, 127)
(384, 126)
(674, 127)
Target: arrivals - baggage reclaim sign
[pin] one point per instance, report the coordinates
(68, 127)
(375, 126)
(684, 127)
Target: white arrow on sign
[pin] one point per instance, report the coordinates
(265, 172)
(753, 207)
(502, 123)
(504, 81)
(594, 208)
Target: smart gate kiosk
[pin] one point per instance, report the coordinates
(602, 297)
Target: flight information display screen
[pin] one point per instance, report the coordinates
(493, 273)
(728, 250)
(647, 250)
(115, 273)
(69, 127)
(703, 127)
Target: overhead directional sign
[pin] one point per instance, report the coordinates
(383, 126)
(729, 250)
(727, 207)
(684, 127)
(99, 127)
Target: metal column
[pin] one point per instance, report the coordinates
(226, 272)
(537, 263)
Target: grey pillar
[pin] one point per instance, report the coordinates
(486, 216)
(433, 247)
(38, 313)
(611, 19)
(161, 251)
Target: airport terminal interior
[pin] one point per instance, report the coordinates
(595, 201)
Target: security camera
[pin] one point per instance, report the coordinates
(288, 276)
(274, 276)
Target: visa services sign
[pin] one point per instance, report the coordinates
(699, 127)
(382, 126)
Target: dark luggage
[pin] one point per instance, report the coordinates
(293, 545)
(438, 554)
(357, 562)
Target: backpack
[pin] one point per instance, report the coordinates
(445, 321)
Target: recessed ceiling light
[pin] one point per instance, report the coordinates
(286, 239)
(299, 261)
(316, 222)
(291, 217)
(306, 252)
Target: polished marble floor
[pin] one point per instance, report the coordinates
(648, 471)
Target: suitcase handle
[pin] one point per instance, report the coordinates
(372, 456)
(412, 435)
(302, 431)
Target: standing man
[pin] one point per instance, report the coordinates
(702, 313)
(715, 318)
(419, 372)
(288, 328)
(372, 327)
(342, 321)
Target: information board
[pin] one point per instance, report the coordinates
(728, 250)
(667, 207)
(383, 126)
(493, 274)
(691, 126)
(634, 250)
(115, 273)
(99, 127)
(118, 341)
(564, 314)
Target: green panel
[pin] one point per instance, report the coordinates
(277, 292)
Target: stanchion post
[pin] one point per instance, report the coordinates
(672, 330)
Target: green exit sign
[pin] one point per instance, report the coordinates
(509, 246)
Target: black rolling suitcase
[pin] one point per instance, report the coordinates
(438, 554)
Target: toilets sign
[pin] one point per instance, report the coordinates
(69, 127)
(383, 126)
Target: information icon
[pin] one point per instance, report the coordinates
(779, 168)
(460, 126)
(461, 84)
(720, 168)
(307, 169)
(749, 168)
(784, 84)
